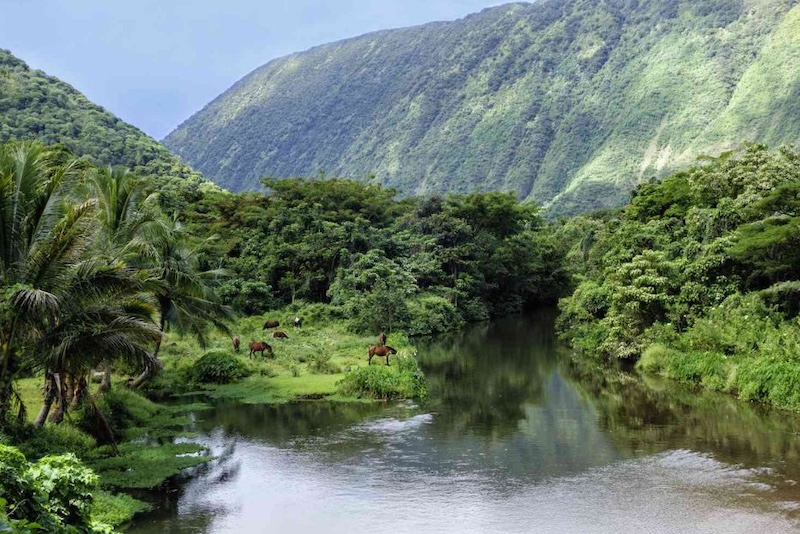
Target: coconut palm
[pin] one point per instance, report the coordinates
(187, 302)
(128, 222)
(46, 271)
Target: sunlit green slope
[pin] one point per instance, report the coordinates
(567, 102)
(34, 105)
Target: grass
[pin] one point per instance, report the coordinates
(116, 508)
(308, 365)
(142, 467)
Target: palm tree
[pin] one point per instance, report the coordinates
(47, 273)
(128, 220)
(186, 299)
(105, 312)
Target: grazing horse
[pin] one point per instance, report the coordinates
(259, 346)
(298, 322)
(279, 334)
(271, 324)
(380, 350)
(382, 338)
(236, 343)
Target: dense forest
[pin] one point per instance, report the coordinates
(96, 271)
(564, 102)
(698, 278)
(420, 265)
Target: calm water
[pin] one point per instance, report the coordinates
(513, 438)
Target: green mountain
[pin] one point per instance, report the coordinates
(36, 106)
(567, 102)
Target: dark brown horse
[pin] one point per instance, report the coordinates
(380, 350)
(260, 346)
(280, 335)
(236, 343)
(271, 324)
(382, 338)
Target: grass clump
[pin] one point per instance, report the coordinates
(139, 466)
(404, 380)
(116, 509)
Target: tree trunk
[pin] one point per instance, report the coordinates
(105, 385)
(151, 370)
(103, 424)
(69, 388)
(49, 397)
(81, 390)
(58, 416)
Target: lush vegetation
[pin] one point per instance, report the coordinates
(697, 278)
(38, 107)
(97, 281)
(51, 495)
(417, 265)
(567, 103)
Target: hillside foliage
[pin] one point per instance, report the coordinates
(38, 107)
(565, 102)
(698, 278)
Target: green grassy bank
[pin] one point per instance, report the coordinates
(320, 360)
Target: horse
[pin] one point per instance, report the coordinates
(271, 324)
(382, 338)
(298, 322)
(279, 334)
(380, 350)
(260, 346)
(236, 343)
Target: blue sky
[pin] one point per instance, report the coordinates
(155, 62)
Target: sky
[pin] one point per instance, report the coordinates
(154, 63)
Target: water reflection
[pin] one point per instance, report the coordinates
(514, 437)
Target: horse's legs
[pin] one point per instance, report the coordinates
(369, 361)
(387, 358)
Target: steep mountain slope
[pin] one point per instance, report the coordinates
(567, 102)
(34, 105)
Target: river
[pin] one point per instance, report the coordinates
(513, 437)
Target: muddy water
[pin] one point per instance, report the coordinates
(512, 438)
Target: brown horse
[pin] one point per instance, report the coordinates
(380, 350)
(382, 338)
(271, 324)
(260, 346)
(280, 335)
(236, 343)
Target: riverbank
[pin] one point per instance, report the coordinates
(320, 360)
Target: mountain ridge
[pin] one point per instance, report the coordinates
(565, 102)
(37, 106)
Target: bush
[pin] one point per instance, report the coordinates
(321, 363)
(53, 495)
(217, 367)
(404, 380)
(432, 314)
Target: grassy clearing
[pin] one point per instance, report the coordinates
(310, 364)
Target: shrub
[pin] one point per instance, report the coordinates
(53, 495)
(123, 410)
(431, 314)
(217, 367)
(321, 363)
(404, 380)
